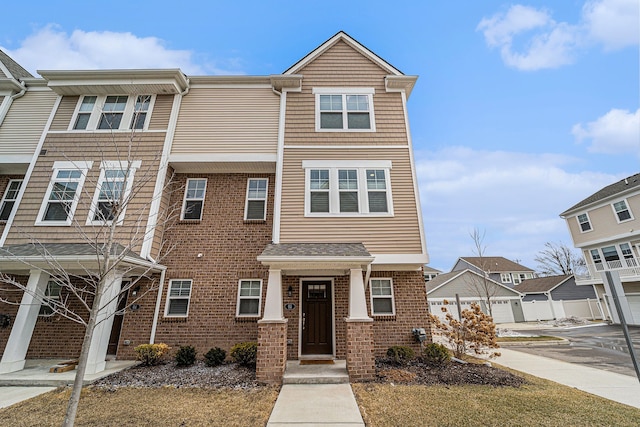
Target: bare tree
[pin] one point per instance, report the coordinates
(85, 291)
(557, 259)
(480, 284)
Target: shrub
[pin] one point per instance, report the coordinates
(245, 353)
(151, 354)
(436, 354)
(186, 356)
(215, 356)
(400, 354)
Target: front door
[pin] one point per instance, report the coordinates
(317, 316)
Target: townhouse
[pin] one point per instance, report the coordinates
(281, 209)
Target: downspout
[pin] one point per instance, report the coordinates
(6, 105)
(367, 276)
(156, 312)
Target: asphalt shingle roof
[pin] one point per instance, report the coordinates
(316, 249)
(440, 279)
(16, 70)
(541, 284)
(608, 191)
(495, 264)
(59, 249)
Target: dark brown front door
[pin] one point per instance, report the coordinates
(317, 333)
(112, 349)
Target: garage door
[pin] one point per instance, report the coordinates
(634, 305)
(501, 310)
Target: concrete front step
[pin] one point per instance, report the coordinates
(335, 373)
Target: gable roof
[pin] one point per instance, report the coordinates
(495, 264)
(542, 284)
(428, 269)
(10, 69)
(443, 279)
(614, 189)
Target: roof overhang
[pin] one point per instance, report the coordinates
(11, 85)
(73, 264)
(289, 82)
(404, 84)
(110, 82)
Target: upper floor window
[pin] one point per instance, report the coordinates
(620, 256)
(505, 277)
(519, 277)
(382, 302)
(583, 221)
(63, 193)
(9, 198)
(112, 112)
(256, 205)
(347, 188)
(194, 198)
(623, 213)
(112, 191)
(178, 298)
(344, 109)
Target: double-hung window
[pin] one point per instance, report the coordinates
(178, 298)
(382, 303)
(583, 221)
(344, 109)
(112, 112)
(9, 198)
(256, 205)
(112, 192)
(140, 111)
(50, 299)
(505, 277)
(63, 193)
(84, 112)
(348, 188)
(622, 211)
(194, 199)
(249, 298)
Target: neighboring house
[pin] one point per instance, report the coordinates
(556, 297)
(441, 292)
(299, 215)
(605, 228)
(498, 268)
(430, 273)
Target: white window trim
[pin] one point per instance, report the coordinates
(580, 223)
(505, 277)
(83, 167)
(113, 165)
(96, 113)
(371, 297)
(184, 199)
(626, 202)
(334, 193)
(4, 199)
(251, 297)
(369, 91)
(169, 298)
(246, 200)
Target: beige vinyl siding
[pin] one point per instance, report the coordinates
(74, 146)
(161, 112)
(227, 120)
(604, 222)
(342, 66)
(62, 118)
(397, 234)
(25, 122)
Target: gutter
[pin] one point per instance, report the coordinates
(4, 108)
(156, 312)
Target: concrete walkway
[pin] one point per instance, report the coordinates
(610, 385)
(10, 395)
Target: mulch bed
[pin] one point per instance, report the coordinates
(417, 371)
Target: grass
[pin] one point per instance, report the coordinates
(539, 403)
(166, 406)
(525, 339)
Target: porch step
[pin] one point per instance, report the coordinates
(316, 373)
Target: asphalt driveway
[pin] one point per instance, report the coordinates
(601, 347)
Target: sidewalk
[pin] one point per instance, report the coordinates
(610, 385)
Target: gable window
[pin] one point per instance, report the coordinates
(112, 112)
(50, 299)
(63, 193)
(585, 224)
(194, 198)
(505, 277)
(622, 211)
(114, 186)
(249, 298)
(178, 298)
(382, 303)
(344, 109)
(9, 198)
(343, 187)
(256, 205)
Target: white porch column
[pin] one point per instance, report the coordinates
(15, 351)
(273, 302)
(100, 340)
(357, 297)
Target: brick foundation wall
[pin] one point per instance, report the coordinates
(272, 352)
(360, 355)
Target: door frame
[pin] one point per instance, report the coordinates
(331, 280)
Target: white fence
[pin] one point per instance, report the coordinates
(549, 310)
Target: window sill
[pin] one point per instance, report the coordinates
(190, 221)
(174, 319)
(255, 221)
(384, 317)
(247, 319)
(348, 215)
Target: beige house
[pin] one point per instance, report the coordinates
(605, 228)
(289, 202)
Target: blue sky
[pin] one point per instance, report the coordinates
(521, 109)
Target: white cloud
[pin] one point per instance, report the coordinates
(52, 48)
(614, 23)
(617, 132)
(516, 197)
(545, 43)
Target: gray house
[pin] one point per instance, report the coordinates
(499, 269)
